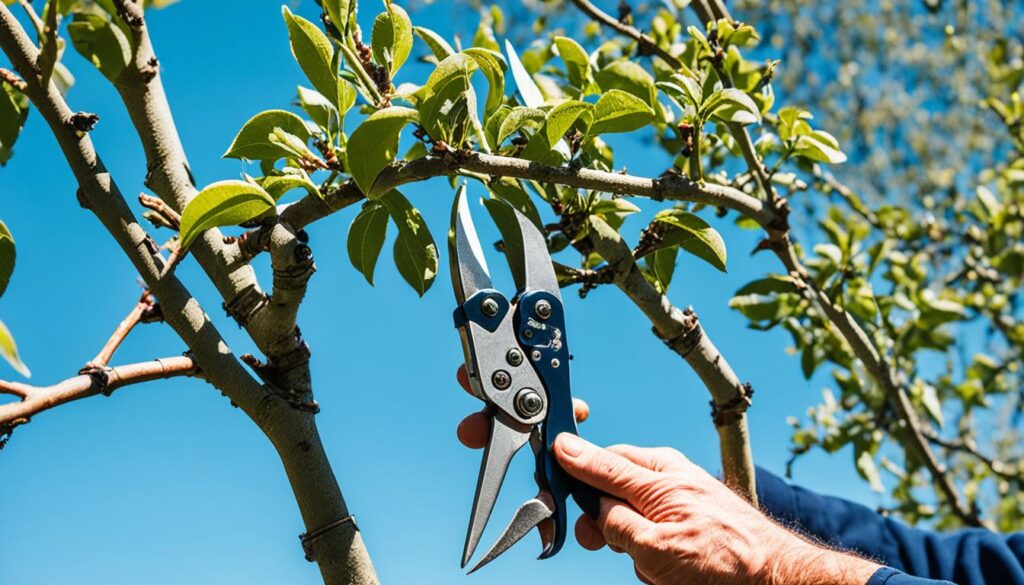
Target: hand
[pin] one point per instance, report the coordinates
(681, 525)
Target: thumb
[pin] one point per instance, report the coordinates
(607, 471)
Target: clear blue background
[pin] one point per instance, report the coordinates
(166, 483)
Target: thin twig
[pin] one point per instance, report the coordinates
(144, 311)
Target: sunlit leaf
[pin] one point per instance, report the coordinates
(374, 144)
(366, 238)
(9, 351)
(222, 204)
(694, 235)
(618, 111)
(314, 53)
(415, 251)
(253, 140)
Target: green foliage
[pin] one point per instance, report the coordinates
(261, 138)
(366, 237)
(374, 145)
(314, 53)
(693, 234)
(13, 113)
(7, 257)
(415, 252)
(102, 38)
(392, 37)
(222, 204)
(9, 351)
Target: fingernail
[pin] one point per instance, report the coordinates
(570, 444)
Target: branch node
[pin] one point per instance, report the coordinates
(160, 214)
(130, 12)
(82, 122)
(688, 338)
(244, 306)
(732, 411)
(307, 538)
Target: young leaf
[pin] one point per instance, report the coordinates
(253, 140)
(7, 256)
(694, 235)
(662, 265)
(438, 46)
(13, 112)
(631, 78)
(277, 185)
(518, 118)
(731, 105)
(9, 351)
(493, 66)
(319, 108)
(339, 11)
(366, 238)
(577, 62)
(314, 53)
(374, 144)
(559, 120)
(392, 37)
(618, 111)
(415, 252)
(819, 146)
(221, 204)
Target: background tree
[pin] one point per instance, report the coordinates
(907, 294)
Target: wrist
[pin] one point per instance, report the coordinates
(800, 562)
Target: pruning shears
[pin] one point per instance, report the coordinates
(517, 358)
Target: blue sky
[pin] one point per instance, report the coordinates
(166, 483)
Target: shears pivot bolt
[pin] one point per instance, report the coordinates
(501, 379)
(489, 306)
(528, 402)
(514, 357)
(543, 309)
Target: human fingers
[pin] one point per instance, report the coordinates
(588, 534)
(653, 458)
(474, 429)
(623, 527)
(607, 471)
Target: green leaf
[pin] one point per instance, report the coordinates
(366, 238)
(685, 90)
(731, 105)
(577, 62)
(277, 185)
(618, 111)
(253, 140)
(630, 78)
(662, 265)
(102, 43)
(819, 146)
(314, 53)
(773, 283)
(392, 37)
(558, 121)
(512, 192)
(320, 109)
(694, 235)
(340, 12)
(222, 204)
(374, 144)
(438, 46)
(7, 256)
(13, 113)
(447, 101)
(758, 307)
(415, 252)
(869, 471)
(517, 119)
(9, 351)
(493, 66)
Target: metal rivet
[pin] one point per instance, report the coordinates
(543, 309)
(527, 333)
(501, 379)
(514, 357)
(489, 306)
(528, 402)
(555, 363)
(535, 355)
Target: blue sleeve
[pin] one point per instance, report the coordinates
(966, 557)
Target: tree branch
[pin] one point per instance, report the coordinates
(103, 380)
(683, 334)
(340, 552)
(144, 311)
(667, 187)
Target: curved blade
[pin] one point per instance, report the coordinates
(537, 271)
(528, 516)
(465, 256)
(502, 445)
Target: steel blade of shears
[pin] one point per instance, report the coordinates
(526, 518)
(505, 440)
(465, 255)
